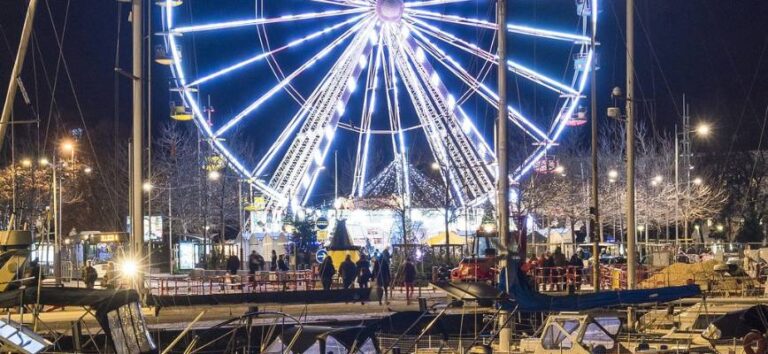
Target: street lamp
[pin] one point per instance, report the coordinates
(88, 170)
(698, 181)
(26, 163)
(560, 170)
(703, 129)
(67, 146)
(214, 175)
(613, 175)
(43, 162)
(657, 180)
(147, 186)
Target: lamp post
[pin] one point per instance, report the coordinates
(68, 147)
(438, 167)
(702, 130)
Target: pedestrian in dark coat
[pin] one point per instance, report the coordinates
(348, 272)
(273, 264)
(233, 264)
(381, 271)
(327, 270)
(363, 272)
(89, 275)
(409, 278)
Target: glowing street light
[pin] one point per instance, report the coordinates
(703, 129)
(88, 170)
(657, 180)
(698, 181)
(26, 163)
(719, 227)
(43, 162)
(435, 166)
(214, 175)
(67, 146)
(147, 186)
(129, 268)
(613, 174)
(560, 169)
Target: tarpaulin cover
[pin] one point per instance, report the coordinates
(282, 297)
(528, 299)
(102, 301)
(737, 324)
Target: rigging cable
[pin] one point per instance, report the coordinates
(60, 45)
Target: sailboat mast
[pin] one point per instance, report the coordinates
(631, 228)
(137, 147)
(18, 64)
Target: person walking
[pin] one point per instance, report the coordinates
(363, 272)
(558, 258)
(576, 266)
(255, 262)
(327, 270)
(382, 273)
(89, 275)
(282, 264)
(409, 278)
(348, 272)
(273, 264)
(233, 264)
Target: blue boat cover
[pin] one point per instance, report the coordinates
(528, 299)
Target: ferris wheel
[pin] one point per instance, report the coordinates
(385, 74)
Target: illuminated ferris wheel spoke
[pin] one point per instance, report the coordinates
(412, 4)
(351, 3)
(297, 170)
(417, 96)
(512, 66)
(481, 89)
(263, 56)
(253, 106)
(265, 21)
(364, 138)
(512, 28)
(390, 76)
(438, 108)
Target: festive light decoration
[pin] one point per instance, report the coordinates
(383, 48)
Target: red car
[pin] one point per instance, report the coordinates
(475, 269)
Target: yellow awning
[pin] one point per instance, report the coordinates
(453, 239)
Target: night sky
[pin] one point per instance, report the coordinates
(713, 51)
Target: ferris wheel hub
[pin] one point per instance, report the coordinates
(390, 10)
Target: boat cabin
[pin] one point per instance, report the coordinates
(575, 333)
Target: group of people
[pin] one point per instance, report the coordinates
(554, 271)
(349, 272)
(256, 262)
(361, 271)
(90, 275)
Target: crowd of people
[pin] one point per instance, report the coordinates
(553, 271)
(363, 271)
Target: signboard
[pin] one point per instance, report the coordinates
(322, 223)
(320, 255)
(322, 235)
(187, 255)
(153, 228)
